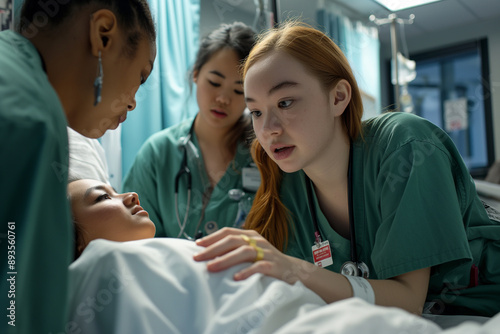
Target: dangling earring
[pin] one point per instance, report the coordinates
(98, 82)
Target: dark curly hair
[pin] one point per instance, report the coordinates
(134, 17)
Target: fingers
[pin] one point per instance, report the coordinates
(260, 253)
(220, 234)
(262, 267)
(242, 254)
(223, 241)
(229, 247)
(220, 247)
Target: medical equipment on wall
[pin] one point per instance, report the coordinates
(6, 15)
(407, 73)
(354, 267)
(266, 14)
(398, 58)
(406, 70)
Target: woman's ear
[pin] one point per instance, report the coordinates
(103, 30)
(340, 96)
(195, 75)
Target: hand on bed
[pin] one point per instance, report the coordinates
(228, 247)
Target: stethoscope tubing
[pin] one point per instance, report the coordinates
(184, 169)
(352, 233)
(350, 200)
(183, 226)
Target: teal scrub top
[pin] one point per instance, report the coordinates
(153, 173)
(415, 206)
(35, 226)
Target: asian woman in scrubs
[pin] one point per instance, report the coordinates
(76, 63)
(184, 174)
(397, 181)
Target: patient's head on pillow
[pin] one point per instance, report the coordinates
(99, 212)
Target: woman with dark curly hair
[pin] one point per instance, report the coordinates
(72, 63)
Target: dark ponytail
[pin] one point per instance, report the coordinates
(239, 37)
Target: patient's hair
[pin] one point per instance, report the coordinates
(78, 231)
(78, 239)
(134, 17)
(324, 60)
(240, 38)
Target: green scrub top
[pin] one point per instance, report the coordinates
(153, 173)
(415, 206)
(35, 226)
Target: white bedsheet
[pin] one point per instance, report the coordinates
(356, 316)
(154, 286)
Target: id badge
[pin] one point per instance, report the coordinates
(251, 178)
(322, 254)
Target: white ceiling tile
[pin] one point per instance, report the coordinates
(483, 9)
(430, 18)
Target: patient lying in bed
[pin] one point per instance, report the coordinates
(133, 283)
(153, 285)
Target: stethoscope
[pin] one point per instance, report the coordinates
(354, 267)
(185, 143)
(237, 195)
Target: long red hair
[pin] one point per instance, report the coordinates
(324, 59)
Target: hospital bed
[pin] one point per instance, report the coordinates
(489, 193)
(154, 286)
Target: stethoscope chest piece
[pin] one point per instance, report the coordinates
(211, 227)
(355, 269)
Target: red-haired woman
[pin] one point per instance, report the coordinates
(386, 206)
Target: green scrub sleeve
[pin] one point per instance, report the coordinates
(142, 178)
(421, 223)
(34, 199)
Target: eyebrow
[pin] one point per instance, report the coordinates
(99, 187)
(217, 73)
(281, 85)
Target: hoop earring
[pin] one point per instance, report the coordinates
(98, 82)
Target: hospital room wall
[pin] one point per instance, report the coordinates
(214, 12)
(212, 15)
(457, 35)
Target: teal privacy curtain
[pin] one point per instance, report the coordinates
(361, 46)
(166, 98)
